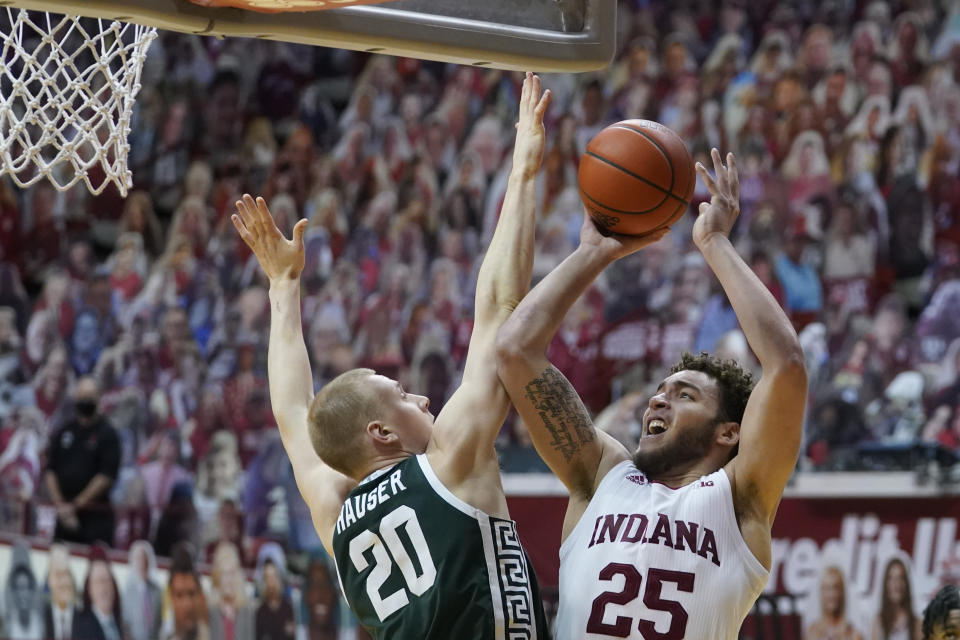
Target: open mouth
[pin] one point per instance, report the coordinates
(655, 427)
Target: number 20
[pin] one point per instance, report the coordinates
(404, 517)
(632, 579)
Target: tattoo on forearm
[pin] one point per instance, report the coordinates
(561, 410)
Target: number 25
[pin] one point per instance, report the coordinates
(651, 598)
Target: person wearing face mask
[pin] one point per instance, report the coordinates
(84, 458)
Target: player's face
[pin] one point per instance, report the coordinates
(407, 413)
(950, 630)
(679, 424)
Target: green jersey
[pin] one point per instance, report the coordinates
(417, 563)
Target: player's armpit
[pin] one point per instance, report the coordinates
(467, 427)
(770, 435)
(323, 489)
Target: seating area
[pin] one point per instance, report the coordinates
(845, 118)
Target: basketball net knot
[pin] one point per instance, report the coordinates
(67, 90)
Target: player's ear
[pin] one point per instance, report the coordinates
(381, 432)
(728, 434)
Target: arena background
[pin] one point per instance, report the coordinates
(844, 115)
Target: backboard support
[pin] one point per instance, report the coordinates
(539, 35)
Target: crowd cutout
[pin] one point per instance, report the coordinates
(135, 330)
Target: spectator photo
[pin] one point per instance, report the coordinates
(22, 619)
(834, 623)
(187, 601)
(101, 617)
(83, 462)
(320, 615)
(231, 616)
(142, 597)
(62, 611)
(895, 618)
(274, 616)
(134, 331)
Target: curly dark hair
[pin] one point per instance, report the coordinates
(734, 383)
(937, 612)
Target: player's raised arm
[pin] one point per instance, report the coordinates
(288, 366)
(559, 424)
(468, 425)
(772, 422)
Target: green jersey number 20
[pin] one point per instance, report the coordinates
(402, 518)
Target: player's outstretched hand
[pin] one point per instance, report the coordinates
(717, 216)
(279, 258)
(613, 245)
(531, 137)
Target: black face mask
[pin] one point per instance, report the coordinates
(86, 408)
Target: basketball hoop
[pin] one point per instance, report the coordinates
(67, 90)
(280, 6)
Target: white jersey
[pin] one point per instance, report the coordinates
(648, 562)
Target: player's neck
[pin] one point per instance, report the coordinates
(687, 473)
(675, 480)
(380, 462)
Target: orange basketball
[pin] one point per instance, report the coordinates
(636, 177)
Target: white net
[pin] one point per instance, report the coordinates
(67, 91)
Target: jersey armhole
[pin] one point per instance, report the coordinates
(615, 472)
(442, 491)
(753, 563)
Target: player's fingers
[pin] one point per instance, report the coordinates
(535, 90)
(249, 213)
(706, 177)
(586, 216)
(733, 176)
(634, 243)
(242, 230)
(543, 104)
(525, 93)
(298, 231)
(657, 235)
(718, 169)
(245, 214)
(265, 218)
(265, 222)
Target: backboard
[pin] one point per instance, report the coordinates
(540, 35)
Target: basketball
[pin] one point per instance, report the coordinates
(636, 177)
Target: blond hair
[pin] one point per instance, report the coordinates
(337, 416)
(226, 558)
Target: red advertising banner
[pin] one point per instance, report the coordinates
(874, 549)
(821, 547)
